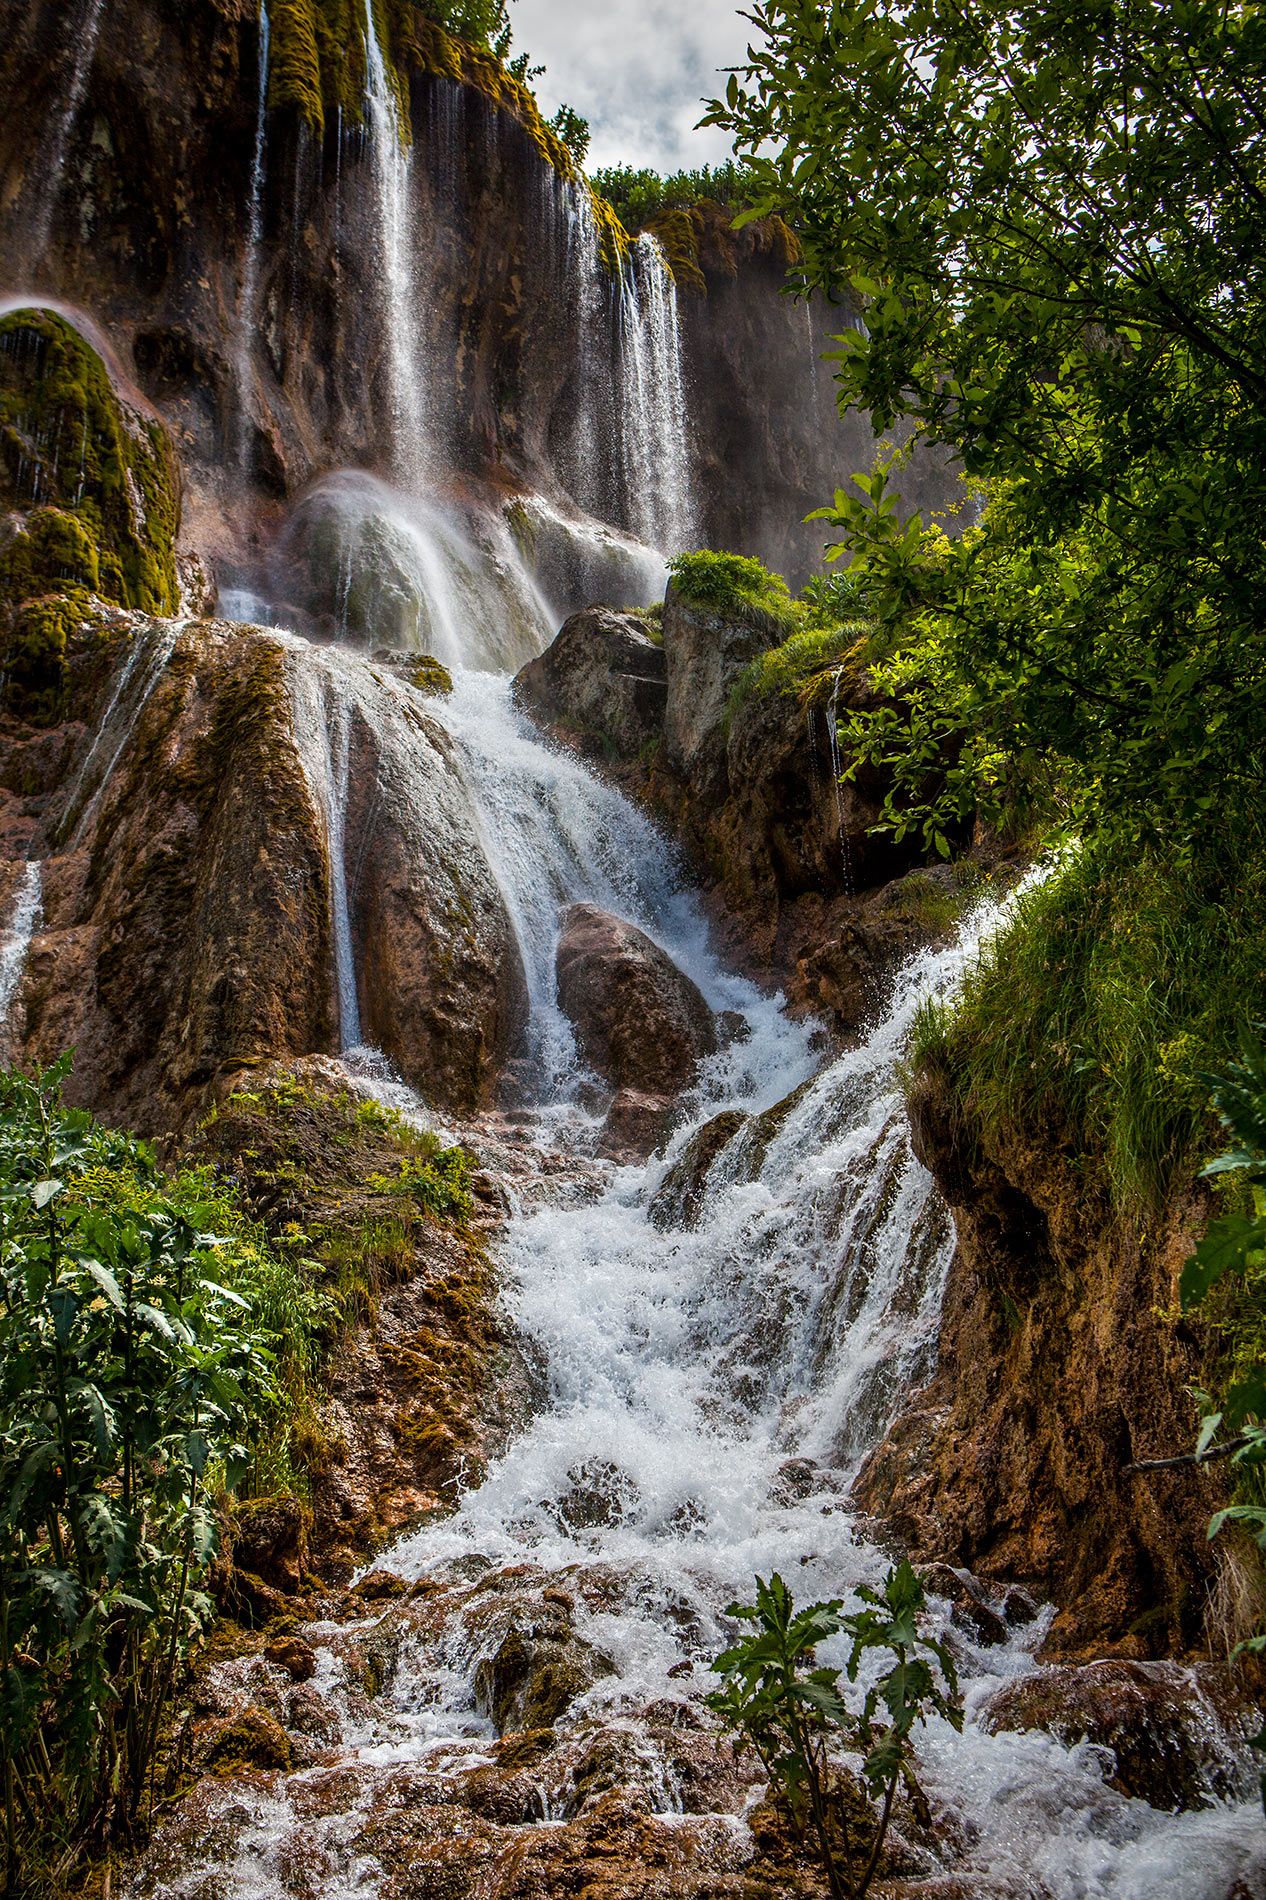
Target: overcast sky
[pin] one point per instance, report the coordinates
(637, 70)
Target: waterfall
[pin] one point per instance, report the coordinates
(118, 723)
(321, 708)
(654, 413)
(86, 32)
(628, 454)
(246, 316)
(390, 156)
(16, 940)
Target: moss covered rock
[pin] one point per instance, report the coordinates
(92, 496)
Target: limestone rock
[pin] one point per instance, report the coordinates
(536, 1675)
(678, 1200)
(704, 652)
(640, 1022)
(602, 683)
(270, 1540)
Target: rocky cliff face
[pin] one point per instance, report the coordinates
(519, 334)
(1060, 1365)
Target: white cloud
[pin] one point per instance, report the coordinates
(638, 70)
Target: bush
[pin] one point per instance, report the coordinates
(736, 584)
(138, 1363)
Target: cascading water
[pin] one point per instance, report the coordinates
(654, 413)
(248, 299)
(390, 156)
(16, 941)
(628, 456)
(147, 657)
(86, 32)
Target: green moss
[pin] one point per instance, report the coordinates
(430, 675)
(97, 482)
(810, 666)
(35, 644)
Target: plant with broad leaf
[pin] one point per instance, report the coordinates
(789, 1708)
(129, 1380)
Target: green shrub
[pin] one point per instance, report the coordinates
(640, 195)
(138, 1362)
(781, 1702)
(808, 666)
(736, 584)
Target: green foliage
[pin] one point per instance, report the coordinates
(736, 584)
(781, 1702)
(133, 1376)
(640, 195)
(809, 666)
(1051, 220)
(1234, 1247)
(573, 130)
(1119, 981)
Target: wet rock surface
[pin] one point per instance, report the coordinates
(1171, 1733)
(603, 680)
(641, 1024)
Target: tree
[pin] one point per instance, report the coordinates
(1052, 221)
(131, 1379)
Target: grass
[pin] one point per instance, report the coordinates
(736, 584)
(1093, 1020)
(807, 666)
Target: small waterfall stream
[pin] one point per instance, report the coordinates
(390, 155)
(85, 33)
(249, 296)
(19, 930)
(655, 441)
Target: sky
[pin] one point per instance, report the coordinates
(638, 70)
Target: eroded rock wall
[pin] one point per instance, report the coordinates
(506, 320)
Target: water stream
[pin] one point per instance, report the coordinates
(398, 287)
(52, 166)
(19, 930)
(249, 296)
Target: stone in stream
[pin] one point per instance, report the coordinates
(640, 1023)
(1172, 1732)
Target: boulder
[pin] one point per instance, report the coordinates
(270, 1540)
(640, 1022)
(602, 684)
(1176, 1736)
(678, 1200)
(705, 651)
(536, 1674)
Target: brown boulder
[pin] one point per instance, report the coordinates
(602, 683)
(270, 1541)
(1176, 1735)
(292, 1654)
(640, 1022)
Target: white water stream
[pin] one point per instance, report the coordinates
(390, 155)
(247, 313)
(49, 176)
(19, 930)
